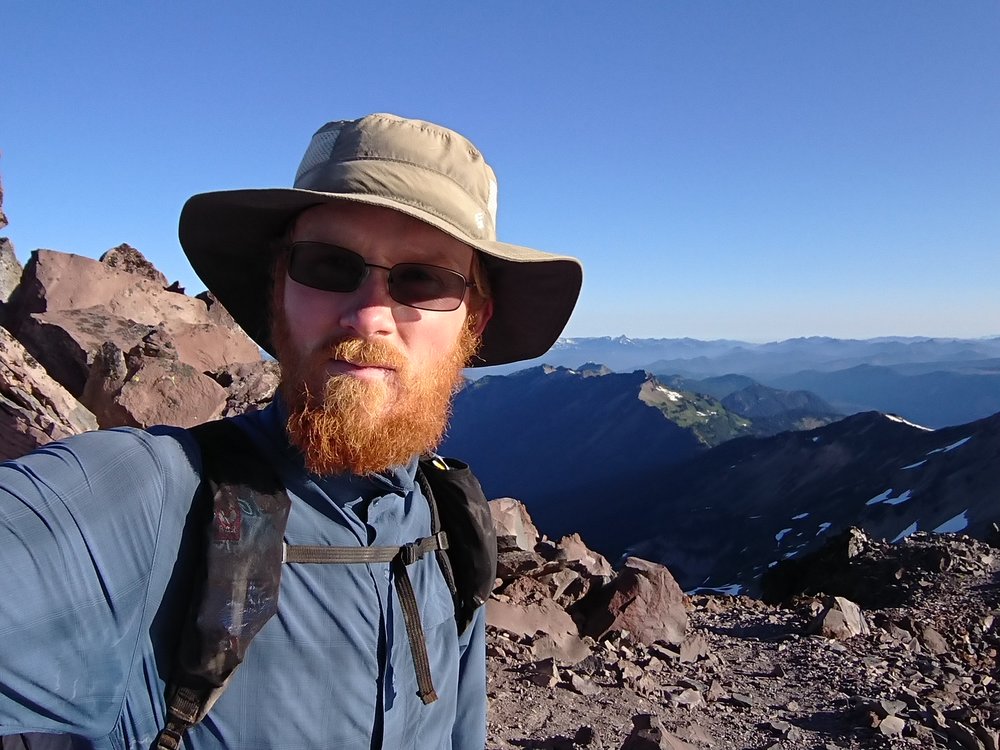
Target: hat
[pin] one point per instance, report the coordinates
(418, 168)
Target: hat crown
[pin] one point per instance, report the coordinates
(415, 162)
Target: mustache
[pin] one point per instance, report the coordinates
(359, 351)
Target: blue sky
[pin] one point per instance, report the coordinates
(756, 170)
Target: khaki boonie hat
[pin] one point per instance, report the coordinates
(421, 169)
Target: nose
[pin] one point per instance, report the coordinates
(368, 310)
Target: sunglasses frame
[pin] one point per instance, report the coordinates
(366, 266)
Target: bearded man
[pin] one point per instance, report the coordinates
(374, 281)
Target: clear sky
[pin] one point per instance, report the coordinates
(755, 170)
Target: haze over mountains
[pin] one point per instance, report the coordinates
(931, 381)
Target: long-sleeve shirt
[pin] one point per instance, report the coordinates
(98, 552)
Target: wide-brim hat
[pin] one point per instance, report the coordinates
(418, 168)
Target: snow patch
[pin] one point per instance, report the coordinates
(951, 447)
(671, 394)
(816, 439)
(894, 418)
(781, 534)
(954, 524)
(823, 528)
(880, 497)
(899, 500)
(800, 516)
(730, 589)
(913, 466)
(905, 532)
(887, 498)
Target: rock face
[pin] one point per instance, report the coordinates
(66, 307)
(34, 408)
(105, 343)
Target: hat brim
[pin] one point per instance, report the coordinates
(228, 238)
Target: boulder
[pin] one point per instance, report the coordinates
(149, 385)
(511, 519)
(574, 549)
(840, 619)
(527, 619)
(249, 385)
(34, 408)
(643, 599)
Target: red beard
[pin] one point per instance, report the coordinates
(345, 424)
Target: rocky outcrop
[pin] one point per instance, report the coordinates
(67, 306)
(564, 601)
(107, 343)
(34, 408)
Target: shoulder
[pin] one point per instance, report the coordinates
(106, 465)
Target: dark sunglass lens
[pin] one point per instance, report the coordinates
(327, 267)
(426, 287)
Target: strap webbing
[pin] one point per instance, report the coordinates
(410, 553)
(399, 558)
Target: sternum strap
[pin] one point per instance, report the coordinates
(399, 558)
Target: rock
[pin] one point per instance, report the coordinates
(527, 619)
(648, 734)
(34, 408)
(250, 386)
(511, 519)
(67, 306)
(891, 726)
(148, 386)
(840, 619)
(933, 641)
(575, 550)
(127, 258)
(643, 599)
(545, 673)
(10, 273)
(693, 648)
(583, 685)
(565, 648)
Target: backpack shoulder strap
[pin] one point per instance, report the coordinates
(459, 507)
(242, 571)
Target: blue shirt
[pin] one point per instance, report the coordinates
(95, 575)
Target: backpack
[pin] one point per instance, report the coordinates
(238, 591)
(245, 552)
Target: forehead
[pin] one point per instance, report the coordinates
(380, 233)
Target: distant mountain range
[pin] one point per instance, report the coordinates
(557, 438)
(931, 381)
(716, 477)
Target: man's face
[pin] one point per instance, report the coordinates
(368, 380)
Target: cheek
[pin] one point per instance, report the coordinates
(309, 313)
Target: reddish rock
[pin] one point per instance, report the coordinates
(34, 408)
(150, 385)
(511, 519)
(249, 385)
(643, 599)
(527, 619)
(127, 258)
(574, 549)
(67, 306)
(840, 618)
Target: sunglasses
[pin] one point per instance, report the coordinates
(337, 269)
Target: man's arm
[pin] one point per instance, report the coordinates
(469, 732)
(80, 525)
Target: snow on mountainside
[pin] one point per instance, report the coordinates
(745, 506)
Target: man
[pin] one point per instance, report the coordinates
(387, 279)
